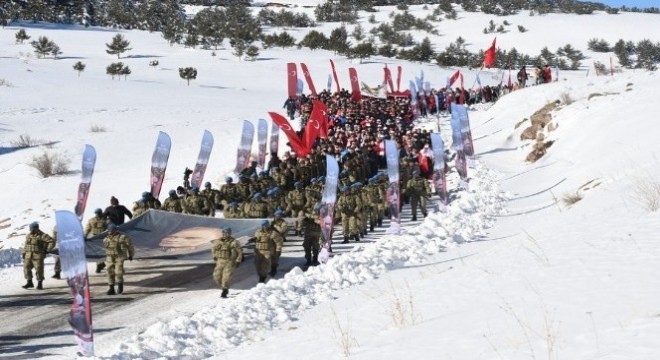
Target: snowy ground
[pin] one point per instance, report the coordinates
(530, 278)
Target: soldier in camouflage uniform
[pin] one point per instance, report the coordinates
(404, 176)
(231, 211)
(173, 203)
(95, 226)
(282, 227)
(312, 236)
(348, 207)
(228, 192)
(228, 255)
(139, 208)
(213, 195)
(295, 201)
(418, 190)
(145, 203)
(243, 189)
(118, 248)
(257, 209)
(266, 244)
(37, 245)
(197, 204)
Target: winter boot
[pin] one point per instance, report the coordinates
(357, 237)
(224, 293)
(345, 239)
(414, 218)
(56, 275)
(371, 227)
(380, 222)
(120, 288)
(111, 290)
(99, 267)
(28, 285)
(262, 279)
(315, 260)
(40, 285)
(425, 214)
(309, 261)
(273, 270)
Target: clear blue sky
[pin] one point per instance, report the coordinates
(631, 3)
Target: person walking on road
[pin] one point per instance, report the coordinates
(227, 254)
(118, 248)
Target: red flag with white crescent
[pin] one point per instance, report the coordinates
(294, 140)
(312, 130)
(355, 85)
(292, 79)
(320, 113)
(334, 74)
(308, 79)
(388, 78)
(489, 55)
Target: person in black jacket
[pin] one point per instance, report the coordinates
(115, 214)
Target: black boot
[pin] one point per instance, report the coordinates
(357, 237)
(309, 261)
(120, 288)
(315, 260)
(273, 270)
(380, 222)
(425, 214)
(28, 285)
(262, 279)
(345, 239)
(99, 267)
(56, 275)
(224, 293)
(40, 285)
(111, 290)
(371, 227)
(414, 218)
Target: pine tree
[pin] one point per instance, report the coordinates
(21, 36)
(118, 46)
(363, 51)
(239, 47)
(114, 69)
(622, 53)
(79, 67)
(188, 73)
(251, 53)
(314, 40)
(43, 46)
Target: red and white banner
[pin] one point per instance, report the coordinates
(294, 140)
(356, 95)
(328, 199)
(308, 78)
(71, 245)
(312, 131)
(292, 79)
(88, 162)
(320, 113)
(489, 55)
(334, 74)
(388, 78)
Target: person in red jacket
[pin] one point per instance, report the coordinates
(547, 74)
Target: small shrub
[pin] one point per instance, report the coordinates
(154, 63)
(97, 128)
(647, 191)
(25, 141)
(188, 73)
(21, 36)
(571, 198)
(4, 82)
(79, 67)
(521, 29)
(566, 98)
(50, 164)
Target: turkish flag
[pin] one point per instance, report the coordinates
(489, 56)
(292, 78)
(453, 78)
(294, 140)
(308, 78)
(356, 95)
(320, 113)
(388, 78)
(334, 74)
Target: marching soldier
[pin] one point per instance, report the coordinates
(311, 236)
(295, 203)
(282, 227)
(265, 246)
(257, 209)
(418, 190)
(173, 203)
(118, 248)
(95, 226)
(228, 255)
(37, 245)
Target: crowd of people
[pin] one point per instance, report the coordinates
(290, 187)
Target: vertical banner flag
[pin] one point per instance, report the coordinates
(329, 86)
(489, 55)
(439, 177)
(300, 88)
(457, 138)
(312, 131)
(334, 74)
(393, 195)
(202, 160)
(414, 104)
(388, 78)
(88, 162)
(466, 131)
(329, 198)
(295, 142)
(262, 138)
(356, 95)
(320, 113)
(292, 79)
(274, 138)
(71, 245)
(399, 70)
(308, 78)
(245, 147)
(159, 162)
(453, 78)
